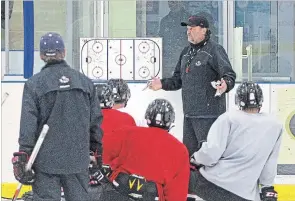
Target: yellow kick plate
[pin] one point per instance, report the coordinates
(286, 192)
(8, 190)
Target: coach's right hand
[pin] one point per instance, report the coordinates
(19, 162)
(155, 84)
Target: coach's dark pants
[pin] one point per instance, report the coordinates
(208, 191)
(195, 130)
(47, 187)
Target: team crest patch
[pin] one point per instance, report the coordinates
(198, 63)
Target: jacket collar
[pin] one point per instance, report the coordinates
(62, 63)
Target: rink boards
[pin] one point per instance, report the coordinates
(136, 60)
(278, 99)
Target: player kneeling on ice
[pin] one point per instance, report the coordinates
(238, 162)
(112, 118)
(147, 163)
(122, 94)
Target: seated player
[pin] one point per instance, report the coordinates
(112, 119)
(238, 162)
(148, 163)
(122, 94)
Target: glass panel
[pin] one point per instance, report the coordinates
(16, 31)
(82, 25)
(44, 14)
(162, 19)
(269, 27)
(75, 20)
(71, 19)
(15, 35)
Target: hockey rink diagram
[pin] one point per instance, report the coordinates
(135, 59)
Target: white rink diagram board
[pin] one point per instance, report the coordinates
(132, 59)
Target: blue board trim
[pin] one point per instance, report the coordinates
(28, 14)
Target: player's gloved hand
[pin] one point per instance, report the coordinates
(193, 164)
(96, 177)
(106, 170)
(268, 194)
(95, 159)
(19, 162)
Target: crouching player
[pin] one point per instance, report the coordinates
(239, 158)
(112, 119)
(122, 95)
(147, 163)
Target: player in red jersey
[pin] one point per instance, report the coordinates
(122, 95)
(147, 163)
(112, 119)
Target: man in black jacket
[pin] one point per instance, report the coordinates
(200, 63)
(64, 99)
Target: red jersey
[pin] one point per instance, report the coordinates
(152, 153)
(114, 119)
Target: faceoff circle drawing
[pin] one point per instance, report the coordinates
(290, 124)
(97, 47)
(144, 47)
(97, 72)
(96, 64)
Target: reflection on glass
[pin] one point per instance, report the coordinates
(174, 36)
(3, 12)
(163, 18)
(269, 27)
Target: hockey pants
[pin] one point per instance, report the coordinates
(108, 193)
(208, 191)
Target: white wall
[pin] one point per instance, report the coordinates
(12, 107)
(136, 106)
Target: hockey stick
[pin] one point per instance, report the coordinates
(32, 157)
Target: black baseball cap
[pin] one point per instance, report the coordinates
(196, 20)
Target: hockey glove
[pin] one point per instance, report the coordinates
(268, 194)
(96, 177)
(106, 170)
(193, 164)
(95, 159)
(19, 162)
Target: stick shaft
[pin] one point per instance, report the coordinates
(32, 157)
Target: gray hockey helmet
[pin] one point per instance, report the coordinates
(160, 113)
(105, 95)
(120, 90)
(249, 95)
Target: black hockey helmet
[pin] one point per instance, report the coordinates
(120, 90)
(160, 113)
(249, 95)
(105, 95)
